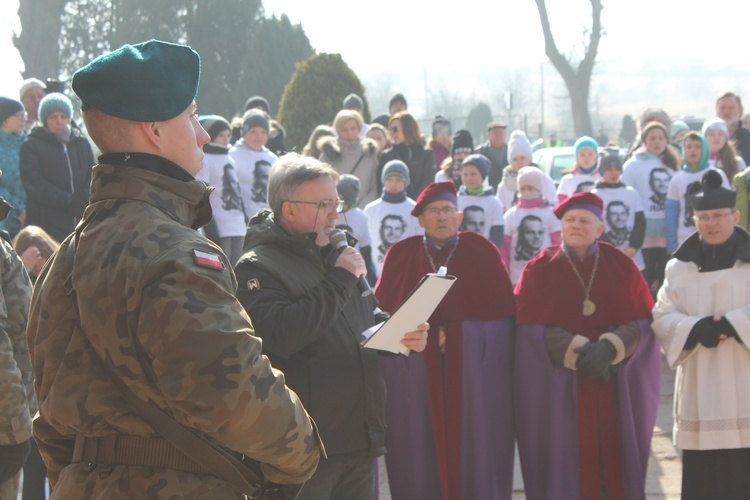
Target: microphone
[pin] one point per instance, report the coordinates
(338, 240)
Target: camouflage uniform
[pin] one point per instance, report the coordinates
(16, 383)
(173, 331)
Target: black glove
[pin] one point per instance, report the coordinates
(78, 202)
(274, 491)
(723, 326)
(12, 457)
(705, 332)
(595, 359)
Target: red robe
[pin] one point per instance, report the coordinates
(481, 299)
(549, 293)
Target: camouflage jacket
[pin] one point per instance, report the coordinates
(16, 383)
(156, 300)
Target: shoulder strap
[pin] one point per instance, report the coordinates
(196, 446)
(357, 164)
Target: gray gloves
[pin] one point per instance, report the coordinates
(595, 360)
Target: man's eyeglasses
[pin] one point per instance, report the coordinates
(328, 206)
(446, 211)
(706, 218)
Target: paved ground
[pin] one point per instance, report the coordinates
(664, 467)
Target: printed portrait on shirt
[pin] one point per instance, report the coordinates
(585, 187)
(230, 189)
(260, 181)
(658, 182)
(531, 234)
(617, 230)
(473, 219)
(688, 220)
(392, 229)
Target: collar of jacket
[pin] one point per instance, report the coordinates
(600, 184)
(153, 180)
(715, 257)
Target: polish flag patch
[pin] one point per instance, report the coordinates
(207, 259)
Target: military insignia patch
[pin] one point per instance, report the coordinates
(253, 284)
(207, 259)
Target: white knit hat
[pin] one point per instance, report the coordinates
(518, 145)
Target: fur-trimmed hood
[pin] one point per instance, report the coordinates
(331, 146)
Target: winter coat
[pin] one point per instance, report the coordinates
(344, 157)
(11, 187)
(420, 161)
(311, 318)
(52, 173)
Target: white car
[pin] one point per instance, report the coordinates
(555, 162)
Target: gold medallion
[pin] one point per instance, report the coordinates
(588, 307)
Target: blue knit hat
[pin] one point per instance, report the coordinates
(152, 81)
(8, 108)
(214, 124)
(480, 161)
(52, 103)
(678, 126)
(353, 101)
(586, 142)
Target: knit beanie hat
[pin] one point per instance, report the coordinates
(651, 126)
(256, 101)
(348, 189)
(518, 145)
(28, 84)
(353, 101)
(608, 161)
(715, 124)
(585, 142)
(678, 126)
(52, 103)
(530, 176)
(8, 108)
(480, 161)
(254, 118)
(214, 125)
(440, 125)
(398, 168)
(463, 142)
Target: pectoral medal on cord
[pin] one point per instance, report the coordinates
(589, 307)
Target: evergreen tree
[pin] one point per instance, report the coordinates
(314, 96)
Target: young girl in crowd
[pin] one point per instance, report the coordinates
(722, 153)
(450, 170)
(624, 222)
(584, 174)
(649, 172)
(379, 134)
(482, 212)
(519, 156)
(530, 225)
(679, 212)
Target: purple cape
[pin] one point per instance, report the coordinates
(487, 445)
(545, 399)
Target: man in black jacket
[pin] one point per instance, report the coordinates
(302, 297)
(729, 109)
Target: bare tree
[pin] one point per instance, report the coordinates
(40, 30)
(578, 79)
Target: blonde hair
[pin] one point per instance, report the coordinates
(344, 116)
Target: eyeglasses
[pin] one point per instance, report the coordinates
(328, 206)
(706, 218)
(446, 211)
(395, 130)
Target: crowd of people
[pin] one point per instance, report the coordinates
(157, 267)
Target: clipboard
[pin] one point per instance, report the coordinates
(416, 309)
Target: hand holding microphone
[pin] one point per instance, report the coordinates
(351, 260)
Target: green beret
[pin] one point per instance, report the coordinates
(152, 81)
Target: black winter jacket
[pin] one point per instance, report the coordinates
(310, 317)
(56, 178)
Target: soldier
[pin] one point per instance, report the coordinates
(16, 384)
(153, 311)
